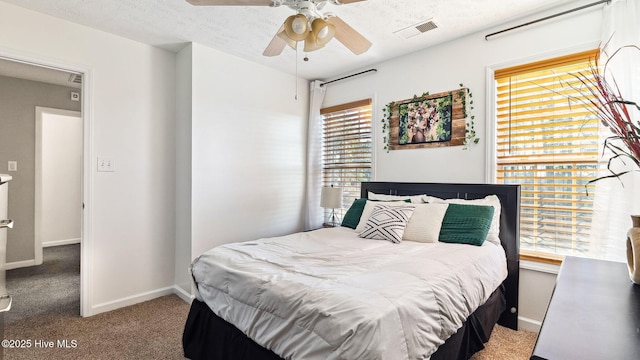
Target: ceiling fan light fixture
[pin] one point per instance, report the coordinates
(311, 43)
(296, 27)
(323, 31)
(311, 24)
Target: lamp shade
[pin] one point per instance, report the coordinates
(311, 43)
(331, 197)
(296, 27)
(323, 30)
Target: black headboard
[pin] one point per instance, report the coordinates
(509, 196)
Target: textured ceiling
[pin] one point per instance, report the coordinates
(245, 31)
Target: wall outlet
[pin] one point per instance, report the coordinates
(106, 165)
(12, 166)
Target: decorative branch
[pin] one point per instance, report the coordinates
(603, 99)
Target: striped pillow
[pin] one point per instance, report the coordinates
(387, 222)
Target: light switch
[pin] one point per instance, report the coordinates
(106, 165)
(13, 166)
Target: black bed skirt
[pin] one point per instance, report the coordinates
(206, 336)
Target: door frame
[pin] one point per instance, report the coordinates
(86, 238)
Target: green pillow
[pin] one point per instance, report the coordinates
(352, 217)
(466, 224)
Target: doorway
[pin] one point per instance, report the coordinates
(47, 71)
(58, 174)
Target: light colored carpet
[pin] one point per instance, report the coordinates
(507, 344)
(150, 330)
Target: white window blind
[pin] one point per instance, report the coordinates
(346, 148)
(549, 145)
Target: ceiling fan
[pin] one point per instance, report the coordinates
(308, 24)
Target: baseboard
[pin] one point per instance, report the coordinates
(529, 324)
(182, 294)
(27, 263)
(20, 264)
(130, 300)
(60, 242)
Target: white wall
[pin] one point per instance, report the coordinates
(443, 68)
(130, 245)
(241, 150)
(183, 257)
(248, 150)
(241, 147)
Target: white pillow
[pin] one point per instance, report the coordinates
(415, 199)
(490, 200)
(387, 222)
(432, 199)
(425, 223)
(368, 208)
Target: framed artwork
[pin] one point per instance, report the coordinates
(425, 121)
(428, 121)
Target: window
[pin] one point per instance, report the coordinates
(346, 148)
(549, 145)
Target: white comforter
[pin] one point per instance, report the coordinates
(328, 294)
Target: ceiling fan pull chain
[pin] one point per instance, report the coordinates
(296, 79)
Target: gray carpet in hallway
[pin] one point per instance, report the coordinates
(50, 288)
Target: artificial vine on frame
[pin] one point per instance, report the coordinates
(386, 124)
(470, 131)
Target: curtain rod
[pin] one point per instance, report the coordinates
(548, 17)
(349, 76)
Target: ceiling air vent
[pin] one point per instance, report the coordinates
(75, 79)
(416, 29)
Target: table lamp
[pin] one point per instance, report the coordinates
(331, 198)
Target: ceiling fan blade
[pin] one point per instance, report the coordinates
(350, 38)
(276, 45)
(230, 2)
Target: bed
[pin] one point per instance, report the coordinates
(296, 316)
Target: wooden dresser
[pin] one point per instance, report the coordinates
(594, 313)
